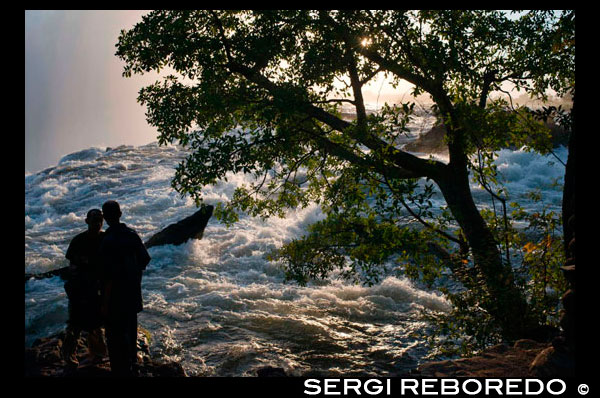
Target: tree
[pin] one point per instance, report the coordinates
(265, 100)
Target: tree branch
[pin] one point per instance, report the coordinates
(370, 76)
(410, 163)
(222, 34)
(334, 100)
(359, 103)
(419, 219)
(488, 79)
(344, 153)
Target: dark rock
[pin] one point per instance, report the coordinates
(188, 228)
(498, 349)
(497, 361)
(559, 135)
(170, 369)
(44, 359)
(528, 344)
(431, 141)
(554, 362)
(63, 273)
(270, 371)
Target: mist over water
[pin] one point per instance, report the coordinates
(217, 305)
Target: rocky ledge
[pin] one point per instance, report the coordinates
(526, 358)
(523, 359)
(44, 358)
(432, 141)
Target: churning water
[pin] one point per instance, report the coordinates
(217, 305)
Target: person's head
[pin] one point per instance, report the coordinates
(112, 212)
(94, 220)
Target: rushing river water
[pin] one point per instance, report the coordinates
(217, 305)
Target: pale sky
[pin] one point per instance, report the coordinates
(75, 94)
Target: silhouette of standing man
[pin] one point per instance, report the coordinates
(83, 290)
(124, 257)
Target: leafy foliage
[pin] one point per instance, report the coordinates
(266, 98)
(537, 251)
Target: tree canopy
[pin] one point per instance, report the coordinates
(266, 97)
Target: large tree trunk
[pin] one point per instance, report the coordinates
(507, 304)
(568, 203)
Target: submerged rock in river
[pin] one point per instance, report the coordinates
(191, 227)
(432, 141)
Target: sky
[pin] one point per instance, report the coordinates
(75, 94)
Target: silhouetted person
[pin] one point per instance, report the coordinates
(83, 289)
(124, 257)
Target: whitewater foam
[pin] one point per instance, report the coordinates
(216, 304)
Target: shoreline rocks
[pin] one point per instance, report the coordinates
(501, 360)
(44, 359)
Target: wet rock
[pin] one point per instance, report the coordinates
(555, 361)
(63, 273)
(497, 361)
(168, 369)
(44, 359)
(191, 227)
(270, 371)
(431, 141)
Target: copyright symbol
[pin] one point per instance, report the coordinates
(583, 389)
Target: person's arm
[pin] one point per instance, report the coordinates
(76, 261)
(71, 276)
(73, 258)
(72, 267)
(142, 254)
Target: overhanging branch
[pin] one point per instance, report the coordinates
(412, 164)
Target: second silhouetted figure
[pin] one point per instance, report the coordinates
(124, 257)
